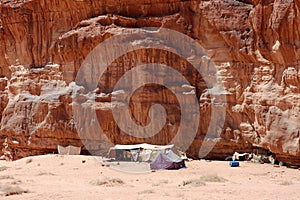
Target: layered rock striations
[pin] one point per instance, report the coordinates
(255, 47)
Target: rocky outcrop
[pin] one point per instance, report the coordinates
(255, 46)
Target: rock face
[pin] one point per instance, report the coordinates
(255, 47)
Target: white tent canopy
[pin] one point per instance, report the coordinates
(140, 152)
(142, 146)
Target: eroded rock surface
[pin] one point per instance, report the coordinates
(255, 46)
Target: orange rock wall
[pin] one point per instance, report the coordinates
(255, 46)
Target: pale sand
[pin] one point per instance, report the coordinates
(67, 177)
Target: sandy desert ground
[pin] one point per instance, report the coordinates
(84, 177)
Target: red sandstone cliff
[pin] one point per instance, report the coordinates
(255, 46)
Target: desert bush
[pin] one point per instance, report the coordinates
(161, 182)
(203, 179)
(213, 178)
(146, 192)
(45, 174)
(3, 168)
(6, 177)
(194, 182)
(107, 182)
(7, 190)
(286, 183)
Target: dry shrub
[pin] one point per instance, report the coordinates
(7, 190)
(286, 183)
(161, 182)
(6, 177)
(203, 179)
(107, 182)
(45, 174)
(194, 182)
(146, 192)
(213, 178)
(3, 168)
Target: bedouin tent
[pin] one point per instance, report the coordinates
(167, 160)
(137, 152)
